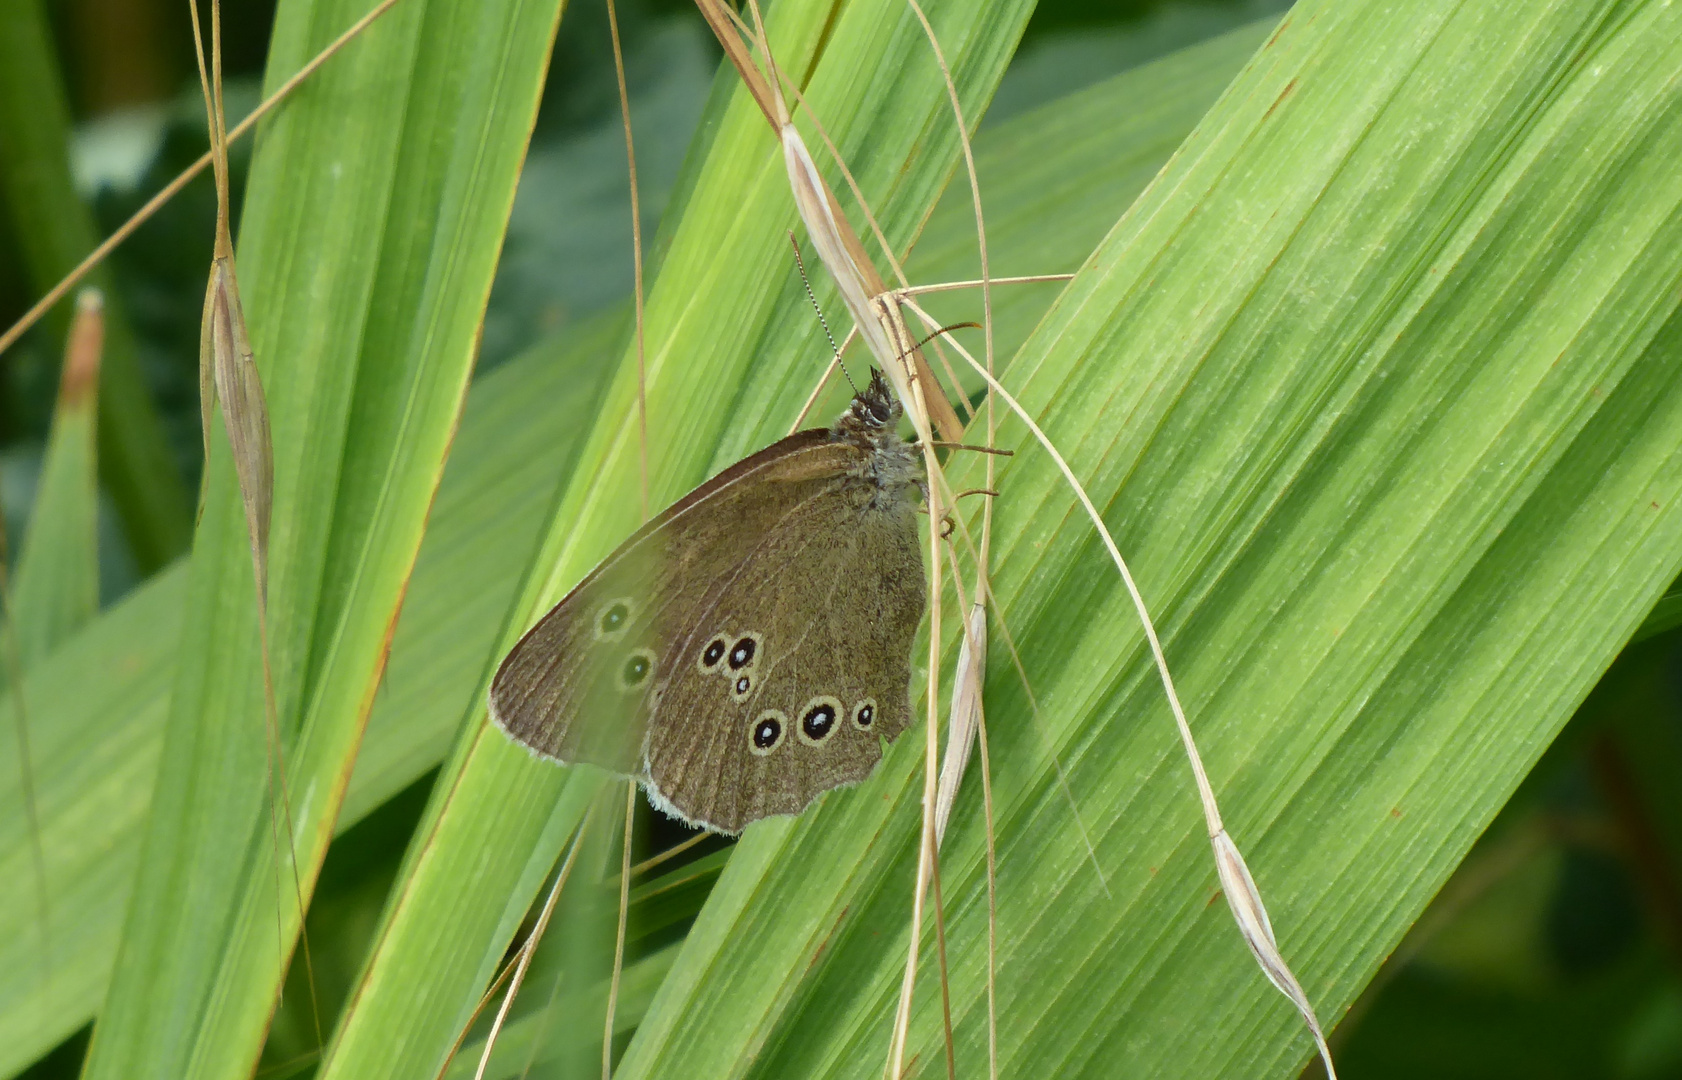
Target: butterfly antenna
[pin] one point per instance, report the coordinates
(947, 330)
(804, 280)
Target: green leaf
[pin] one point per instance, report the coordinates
(520, 433)
(56, 589)
(56, 231)
(97, 739)
(96, 717)
(368, 241)
(55, 592)
(1377, 386)
(721, 331)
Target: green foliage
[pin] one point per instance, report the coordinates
(1379, 418)
(379, 193)
(55, 231)
(57, 585)
(1376, 384)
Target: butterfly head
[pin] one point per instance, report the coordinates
(874, 408)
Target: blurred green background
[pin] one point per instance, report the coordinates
(1556, 949)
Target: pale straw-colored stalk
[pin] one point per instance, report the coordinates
(1242, 895)
(40, 308)
(964, 716)
(228, 375)
(529, 949)
(642, 465)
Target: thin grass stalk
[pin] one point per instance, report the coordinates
(490, 993)
(945, 984)
(528, 950)
(642, 466)
(670, 853)
(619, 933)
(226, 363)
(975, 636)
(1240, 888)
(992, 898)
(931, 784)
(636, 250)
(39, 309)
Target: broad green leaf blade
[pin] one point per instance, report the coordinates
(56, 231)
(519, 434)
(717, 386)
(369, 238)
(1054, 180)
(521, 431)
(110, 682)
(56, 589)
(97, 739)
(1378, 388)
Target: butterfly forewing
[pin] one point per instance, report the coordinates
(562, 691)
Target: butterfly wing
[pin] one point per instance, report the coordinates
(786, 678)
(582, 685)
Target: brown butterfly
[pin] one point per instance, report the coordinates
(749, 648)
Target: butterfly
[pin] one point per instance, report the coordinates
(748, 649)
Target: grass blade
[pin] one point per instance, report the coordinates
(371, 230)
(56, 589)
(1387, 426)
(498, 818)
(57, 230)
(520, 435)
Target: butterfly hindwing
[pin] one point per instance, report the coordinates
(797, 666)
